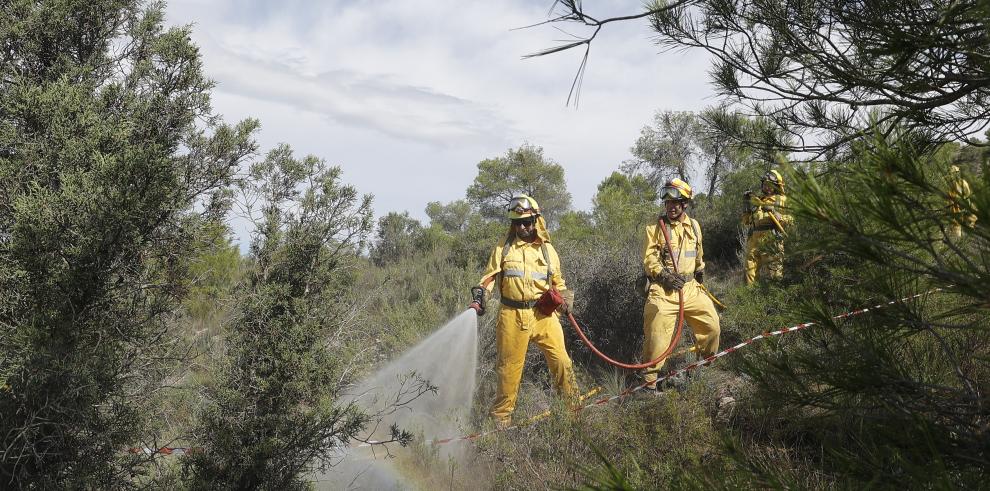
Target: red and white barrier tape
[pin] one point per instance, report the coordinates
(165, 450)
(687, 368)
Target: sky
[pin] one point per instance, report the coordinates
(408, 96)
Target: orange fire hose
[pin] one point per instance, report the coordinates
(677, 333)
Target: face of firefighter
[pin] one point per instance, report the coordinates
(767, 187)
(525, 228)
(675, 208)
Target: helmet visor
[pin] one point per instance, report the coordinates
(671, 192)
(521, 205)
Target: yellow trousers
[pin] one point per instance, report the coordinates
(764, 249)
(660, 319)
(516, 328)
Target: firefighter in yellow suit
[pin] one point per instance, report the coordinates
(959, 202)
(524, 267)
(765, 219)
(660, 313)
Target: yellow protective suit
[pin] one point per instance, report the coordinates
(764, 244)
(959, 195)
(521, 273)
(660, 313)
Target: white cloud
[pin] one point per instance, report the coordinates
(408, 96)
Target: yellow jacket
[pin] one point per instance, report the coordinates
(685, 241)
(762, 207)
(959, 192)
(523, 270)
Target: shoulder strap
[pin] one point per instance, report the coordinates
(666, 238)
(501, 265)
(505, 252)
(546, 257)
(505, 247)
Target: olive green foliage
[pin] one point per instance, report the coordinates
(213, 272)
(410, 297)
(894, 396)
(454, 231)
(693, 147)
(521, 171)
(624, 205)
(665, 149)
(271, 416)
(872, 90)
(575, 226)
(111, 165)
(646, 442)
(452, 217)
(395, 238)
(603, 276)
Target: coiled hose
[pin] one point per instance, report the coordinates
(677, 333)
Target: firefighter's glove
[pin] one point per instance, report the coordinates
(568, 304)
(748, 202)
(699, 276)
(671, 280)
(478, 300)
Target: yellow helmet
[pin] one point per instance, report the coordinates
(774, 177)
(523, 206)
(676, 189)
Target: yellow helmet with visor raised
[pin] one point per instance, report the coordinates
(774, 177)
(523, 206)
(676, 189)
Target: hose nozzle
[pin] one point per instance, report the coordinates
(478, 300)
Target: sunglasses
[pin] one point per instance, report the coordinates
(526, 222)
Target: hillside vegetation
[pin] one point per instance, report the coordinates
(129, 318)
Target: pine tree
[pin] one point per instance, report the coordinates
(272, 416)
(110, 162)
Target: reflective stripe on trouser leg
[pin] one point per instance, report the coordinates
(660, 317)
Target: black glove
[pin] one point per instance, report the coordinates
(699, 276)
(478, 300)
(670, 280)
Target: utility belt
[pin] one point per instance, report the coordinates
(516, 304)
(687, 277)
(761, 228)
